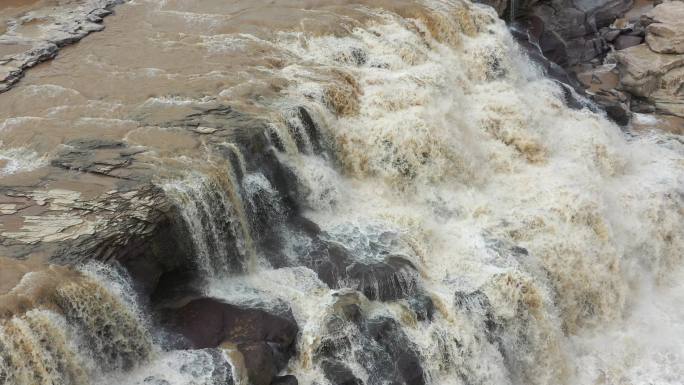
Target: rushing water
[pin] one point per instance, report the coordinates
(498, 236)
(91, 325)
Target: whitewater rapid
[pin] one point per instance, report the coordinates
(548, 239)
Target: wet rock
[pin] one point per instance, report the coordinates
(133, 225)
(266, 340)
(572, 98)
(221, 370)
(390, 279)
(601, 83)
(423, 306)
(626, 41)
(554, 48)
(259, 362)
(477, 305)
(616, 104)
(285, 380)
(171, 287)
(528, 34)
(665, 30)
(98, 156)
(378, 345)
(305, 131)
(387, 332)
(642, 106)
(207, 322)
(338, 373)
(61, 25)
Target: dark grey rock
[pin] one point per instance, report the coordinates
(265, 339)
(423, 306)
(626, 41)
(338, 373)
(616, 104)
(611, 34)
(571, 28)
(285, 380)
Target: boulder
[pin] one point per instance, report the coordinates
(265, 339)
(665, 30)
(616, 104)
(653, 76)
(208, 322)
(259, 361)
(385, 278)
(389, 280)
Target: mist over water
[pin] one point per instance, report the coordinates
(496, 236)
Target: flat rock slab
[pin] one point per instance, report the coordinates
(37, 35)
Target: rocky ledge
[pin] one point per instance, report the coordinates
(37, 35)
(653, 71)
(625, 55)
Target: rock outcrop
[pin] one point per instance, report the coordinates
(568, 31)
(625, 56)
(653, 71)
(665, 28)
(38, 35)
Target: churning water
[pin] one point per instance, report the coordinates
(497, 235)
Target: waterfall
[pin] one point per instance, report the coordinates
(468, 228)
(91, 326)
(512, 7)
(398, 180)
(212, 208)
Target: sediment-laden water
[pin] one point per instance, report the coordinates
(397, 174)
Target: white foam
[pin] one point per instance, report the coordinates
(17, 160)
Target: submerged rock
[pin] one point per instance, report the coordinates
(338, 373)
(376, 344)
(394, 277)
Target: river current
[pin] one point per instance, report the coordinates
(415, 135)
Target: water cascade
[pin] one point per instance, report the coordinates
(411, 192)
(91, 325)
